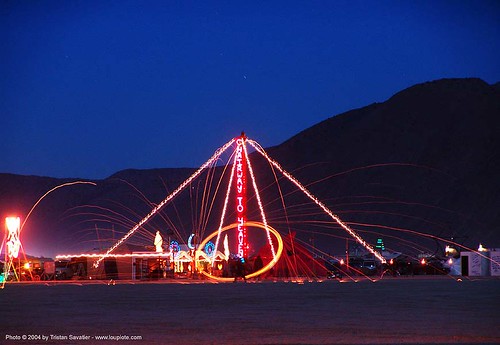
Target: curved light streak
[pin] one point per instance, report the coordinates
(50, 191)
(256, 273)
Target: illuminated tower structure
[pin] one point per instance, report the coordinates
(241, 197)
(12, 246)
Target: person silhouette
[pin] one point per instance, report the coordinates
(240, 269)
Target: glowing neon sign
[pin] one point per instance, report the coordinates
(210, 248)
(241, 197)
(174, 246)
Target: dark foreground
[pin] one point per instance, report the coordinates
(390, 311)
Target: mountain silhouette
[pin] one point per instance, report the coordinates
(419, 167)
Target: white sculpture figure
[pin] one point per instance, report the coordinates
(158, 242)
(226, 248)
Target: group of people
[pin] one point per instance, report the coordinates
(240, 268)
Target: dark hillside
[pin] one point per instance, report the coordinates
(435, 144)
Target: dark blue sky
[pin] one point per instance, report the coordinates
(88, 88)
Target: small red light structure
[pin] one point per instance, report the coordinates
(423, 262)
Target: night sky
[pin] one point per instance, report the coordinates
(88, 88)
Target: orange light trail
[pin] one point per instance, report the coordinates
(53, 189)
(256, 273)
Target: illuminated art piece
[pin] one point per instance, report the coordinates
(210, 248)
(190, 242)
(241, 200)
(241, 165)
(158, 242)
(250, 224)
(174, 246)
(240, 161)
(13, 225)
(12, 240)
(13, 245)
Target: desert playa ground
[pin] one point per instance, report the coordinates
(414, 310)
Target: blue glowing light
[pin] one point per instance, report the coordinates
(210, 248)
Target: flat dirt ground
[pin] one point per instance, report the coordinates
(414, 310)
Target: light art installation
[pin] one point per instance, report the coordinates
(241, 164)
(241, 155)
(13, 226)
(13, 246)
(210, 248)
